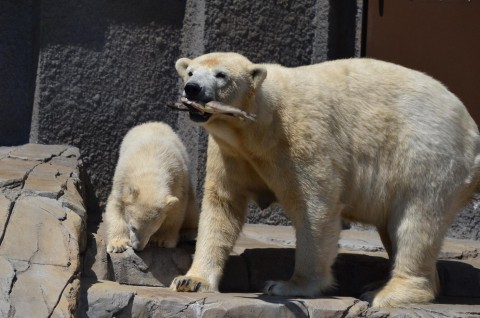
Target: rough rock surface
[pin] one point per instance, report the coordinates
(265, 252)
(42, 230)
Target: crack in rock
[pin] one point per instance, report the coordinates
(347, 310)
(12, 283)
(27, 174)
(35, 263)
(37, 244)
(197, 305)
(7, 220)
(432, 312)
(59, 217)
(13, 184)
(69, 281)
(49, 310)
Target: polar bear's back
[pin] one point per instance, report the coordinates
(370, 101)
(152, 150)
(153, 136)
(425, 111)
(387, 126)
(362, 84)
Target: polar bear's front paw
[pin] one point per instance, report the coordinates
(189, 284)
(118, 245)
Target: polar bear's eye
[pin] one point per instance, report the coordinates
(190, 73)
(221, 75)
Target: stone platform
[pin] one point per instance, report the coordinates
(110, 299)
(51, 267)
(266, 252)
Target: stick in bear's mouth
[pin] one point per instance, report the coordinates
(211, 107)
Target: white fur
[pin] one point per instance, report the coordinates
(359, 139)
(152, 197)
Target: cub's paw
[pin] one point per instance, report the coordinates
(118, 246)
(189, 284)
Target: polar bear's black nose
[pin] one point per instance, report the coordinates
(192, 90)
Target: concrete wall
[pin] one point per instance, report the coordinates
(105, 66)
(83, 72)
(18, 27)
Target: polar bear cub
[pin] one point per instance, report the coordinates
(358, 139)
(152, 197)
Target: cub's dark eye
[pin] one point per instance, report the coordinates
(221, 75)
(190, 73)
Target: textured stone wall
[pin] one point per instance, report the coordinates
(17, 69)
(105, 66)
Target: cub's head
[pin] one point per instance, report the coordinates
(229, 78)
(145, 212)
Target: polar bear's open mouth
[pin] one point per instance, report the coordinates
(201, 113)
(196, 110)
(199, 117)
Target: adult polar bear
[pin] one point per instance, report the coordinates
(359, 139)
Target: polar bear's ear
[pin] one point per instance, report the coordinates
(170, 200)
(181, 66)
(258, 74)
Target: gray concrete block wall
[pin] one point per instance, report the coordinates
(287, 32)
(192, 44)
(17, 69)
(280, 33)
(104, 67)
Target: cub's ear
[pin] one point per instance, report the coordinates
(170, 200)
(258, 74)
(181, 66)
